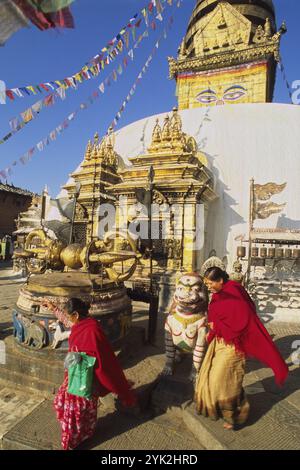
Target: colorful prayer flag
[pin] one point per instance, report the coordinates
(53, 135)
(126, 38)
(17, 92)
(27, 115)
(49, 100)
(61, 93)
(37, 107)
(14, 124)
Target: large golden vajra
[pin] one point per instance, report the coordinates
(107, 255)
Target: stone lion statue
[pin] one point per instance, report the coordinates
(185, 327)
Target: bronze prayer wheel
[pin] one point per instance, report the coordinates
(241, 251)
(254, 252)
(271, 253)
(287, 253)
(263, 252)
(296, 253)
(279, 252)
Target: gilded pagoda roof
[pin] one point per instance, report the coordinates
(175, 159)
(256, 11)
(227, 33)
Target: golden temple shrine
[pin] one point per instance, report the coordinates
(96, 175)
(228, 55)
(181, 182)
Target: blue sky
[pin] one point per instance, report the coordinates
(31, 57)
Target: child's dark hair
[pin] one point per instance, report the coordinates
(77, 305)
(216, 274)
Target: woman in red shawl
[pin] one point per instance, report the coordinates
(77, 415)
(236, 332)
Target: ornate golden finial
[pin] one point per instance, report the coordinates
(88, 152)
(283, 28)
(166, 133)
(102, 148)
(94, 153)
(268, 28)
(176, 118)
(222, 23)
(259, 35)
(156, 134)
(110, 138)
(96, 138)
(176, 125)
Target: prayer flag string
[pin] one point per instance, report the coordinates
(52, 136)
(93, 67)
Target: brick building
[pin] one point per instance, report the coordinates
(12, 201)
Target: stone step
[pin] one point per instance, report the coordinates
(277, 429)
(31, 369)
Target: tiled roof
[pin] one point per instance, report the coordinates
(13, 189)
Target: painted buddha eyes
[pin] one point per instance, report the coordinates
(233, 93)
(207, 96)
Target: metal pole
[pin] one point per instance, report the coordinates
(76, 195)
(151, 175)
(73, 219)
(251, 220)
(93, 202)
(182, 222)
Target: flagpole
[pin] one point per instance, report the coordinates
(151, 175)
(251, 221)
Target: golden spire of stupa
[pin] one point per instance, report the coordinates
(95, 152)
(166, 133)
(88, 152)
(156, 134)
(96, 139)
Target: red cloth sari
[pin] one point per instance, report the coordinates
(77, 415)
(234, 319)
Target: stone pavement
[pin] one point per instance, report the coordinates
(27, 421)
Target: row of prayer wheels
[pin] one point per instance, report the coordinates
(264, 252)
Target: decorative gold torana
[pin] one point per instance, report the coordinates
(228, 55)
